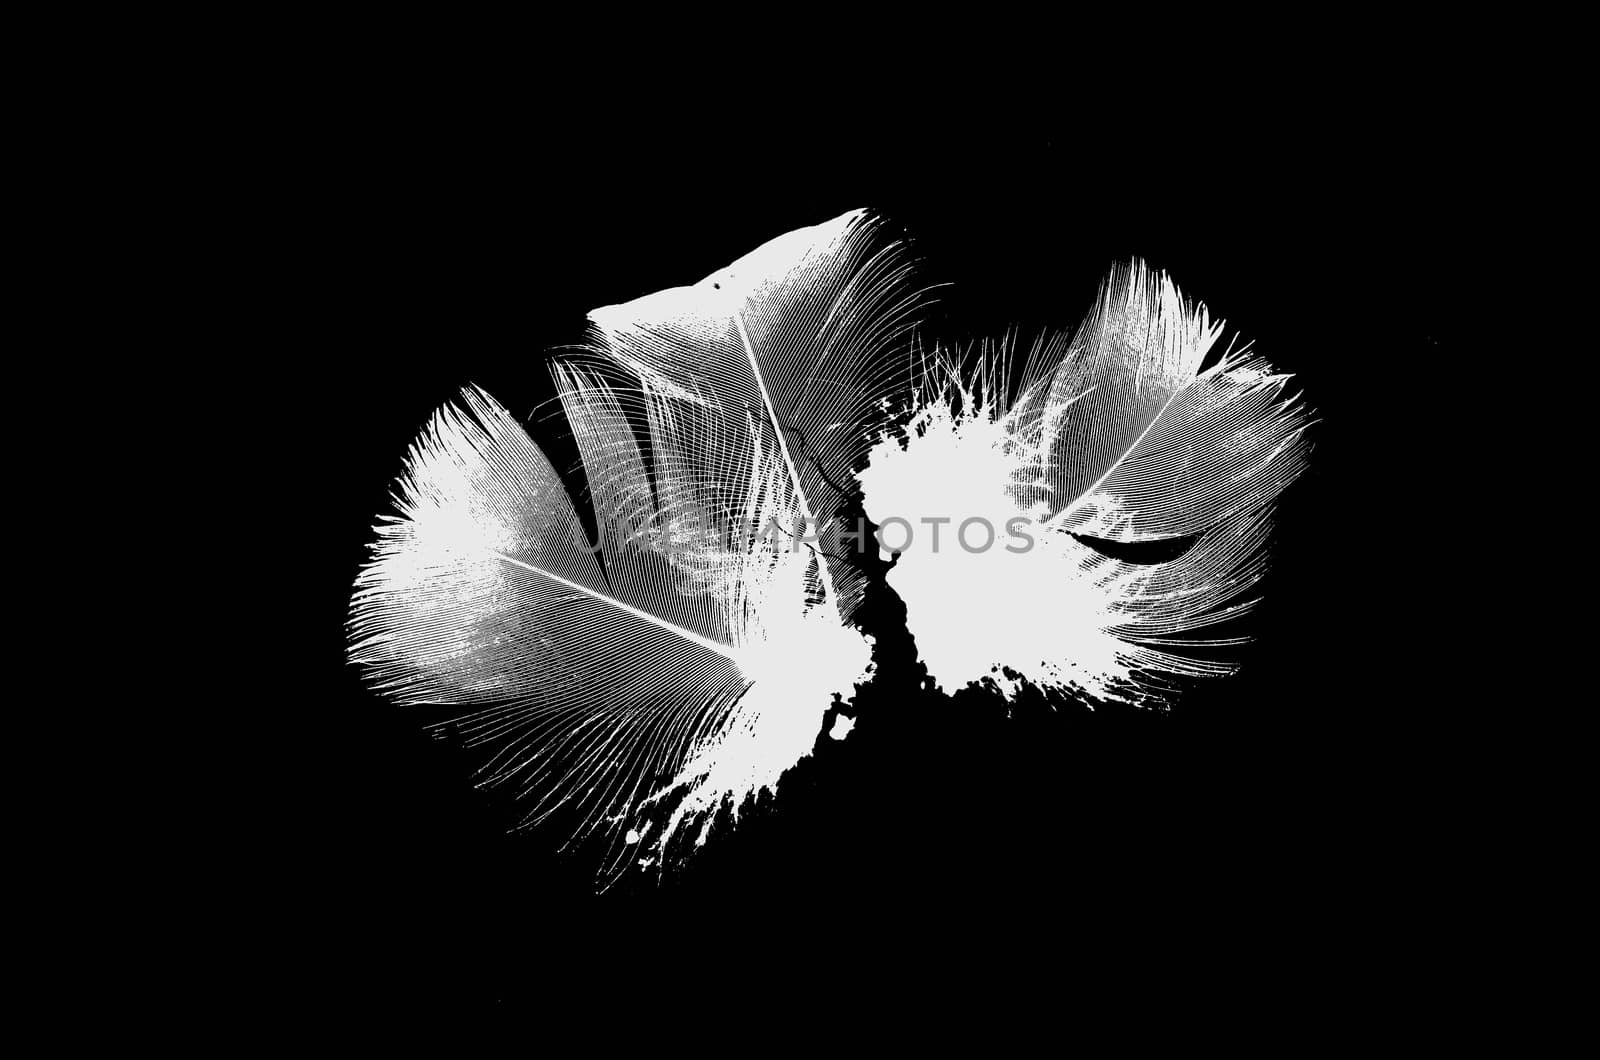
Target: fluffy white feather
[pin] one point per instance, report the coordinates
(1119, 436)
(687, 660)
(801, 332)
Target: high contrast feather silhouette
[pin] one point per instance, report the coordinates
(1117, 438)
(689, 653)
(683, 658)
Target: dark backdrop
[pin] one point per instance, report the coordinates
(436, 247)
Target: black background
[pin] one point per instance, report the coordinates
(433, 248)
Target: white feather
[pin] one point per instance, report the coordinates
(801, 333)
(688, 661)
(1116, 435)
(608, 681)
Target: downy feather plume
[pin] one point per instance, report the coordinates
(684, 658)
(802, 333)
(1116, 438)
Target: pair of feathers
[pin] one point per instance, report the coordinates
(682, 656)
